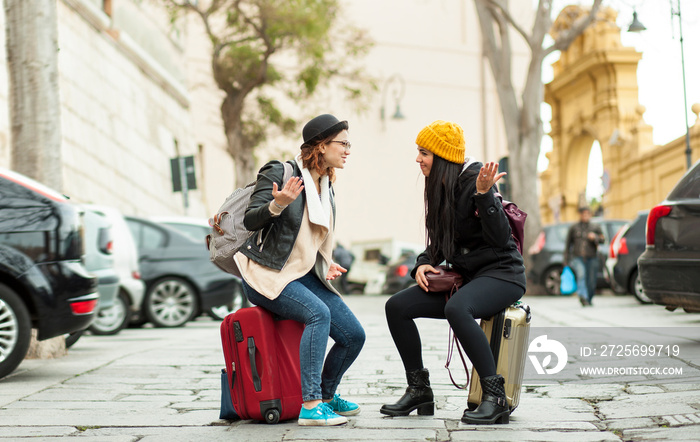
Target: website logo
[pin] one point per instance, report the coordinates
(551, 346)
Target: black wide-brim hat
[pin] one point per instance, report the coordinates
(321, 127)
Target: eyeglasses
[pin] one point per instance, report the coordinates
(346, 144)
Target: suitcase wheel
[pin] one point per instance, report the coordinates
(272, 416)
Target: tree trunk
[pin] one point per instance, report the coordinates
(522, 122)
(528, 149)
(32, 61)
(524, 177)
(239, 146)
(31, 31)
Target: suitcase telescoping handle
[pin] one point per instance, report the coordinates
(253, 366)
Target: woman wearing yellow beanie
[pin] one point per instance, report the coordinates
(467, 227)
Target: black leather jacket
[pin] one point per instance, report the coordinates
(274, 237)
(484, 244)
(579, 245)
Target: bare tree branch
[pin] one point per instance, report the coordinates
(491, 47)
(505, 50)
(567, 37)
(493, 4)
(541, 25)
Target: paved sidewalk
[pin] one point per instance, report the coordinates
(164, 385)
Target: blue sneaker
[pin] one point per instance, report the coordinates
(321, 415)
(342, 407)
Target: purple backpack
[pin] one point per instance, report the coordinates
(516, 219)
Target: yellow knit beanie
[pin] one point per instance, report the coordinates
(443, 138)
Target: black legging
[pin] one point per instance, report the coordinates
(482, 297)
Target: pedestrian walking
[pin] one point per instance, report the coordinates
(467, 227)
(581, 254)
(288, 271)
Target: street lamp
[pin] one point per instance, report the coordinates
(637, 26)
(398, 87)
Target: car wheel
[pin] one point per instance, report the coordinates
(170, 302)
(637, 289)
(111, 320)
(15, 330)
(239, 301)
(552, 281)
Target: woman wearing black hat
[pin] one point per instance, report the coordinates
(467, 227)
(289, 271)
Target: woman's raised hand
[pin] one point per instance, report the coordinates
(291, 190)
(488, 176)
(420, 275)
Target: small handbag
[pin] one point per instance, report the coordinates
(447, 282)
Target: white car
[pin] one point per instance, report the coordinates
(111, 320)
(198, 229)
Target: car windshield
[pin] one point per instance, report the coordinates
(689, 186)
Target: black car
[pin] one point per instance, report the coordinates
(627, 245)
(198, 229)
(547, 254)
(181, 281)
(43, 282)
(398, 273)
(669, 265)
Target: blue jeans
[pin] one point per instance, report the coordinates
(325, 314)
(586, 270)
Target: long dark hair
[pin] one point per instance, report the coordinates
(440, 187)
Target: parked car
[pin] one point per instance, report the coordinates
(668, 268)
(181, 281)
(99, 262)
(127, 305)
(198, 229)
(195, 228)
(398, 273)
(627, 245)
(547, 254)
(43, 282)
(98, 256)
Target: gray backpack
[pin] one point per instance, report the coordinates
(228, 233)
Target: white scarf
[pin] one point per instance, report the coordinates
(319, 208)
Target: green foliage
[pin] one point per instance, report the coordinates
(265, 51)
(310, 77)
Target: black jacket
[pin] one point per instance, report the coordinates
(274, 239)
(578, 244)
(484, 244)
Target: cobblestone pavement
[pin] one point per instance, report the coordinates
(164, 385)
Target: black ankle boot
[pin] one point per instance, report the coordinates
(418, 396)
(493, 407)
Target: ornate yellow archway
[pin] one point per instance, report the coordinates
(594, 97)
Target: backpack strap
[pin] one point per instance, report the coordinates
(288, 171)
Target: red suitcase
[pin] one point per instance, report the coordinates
(262, 364)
